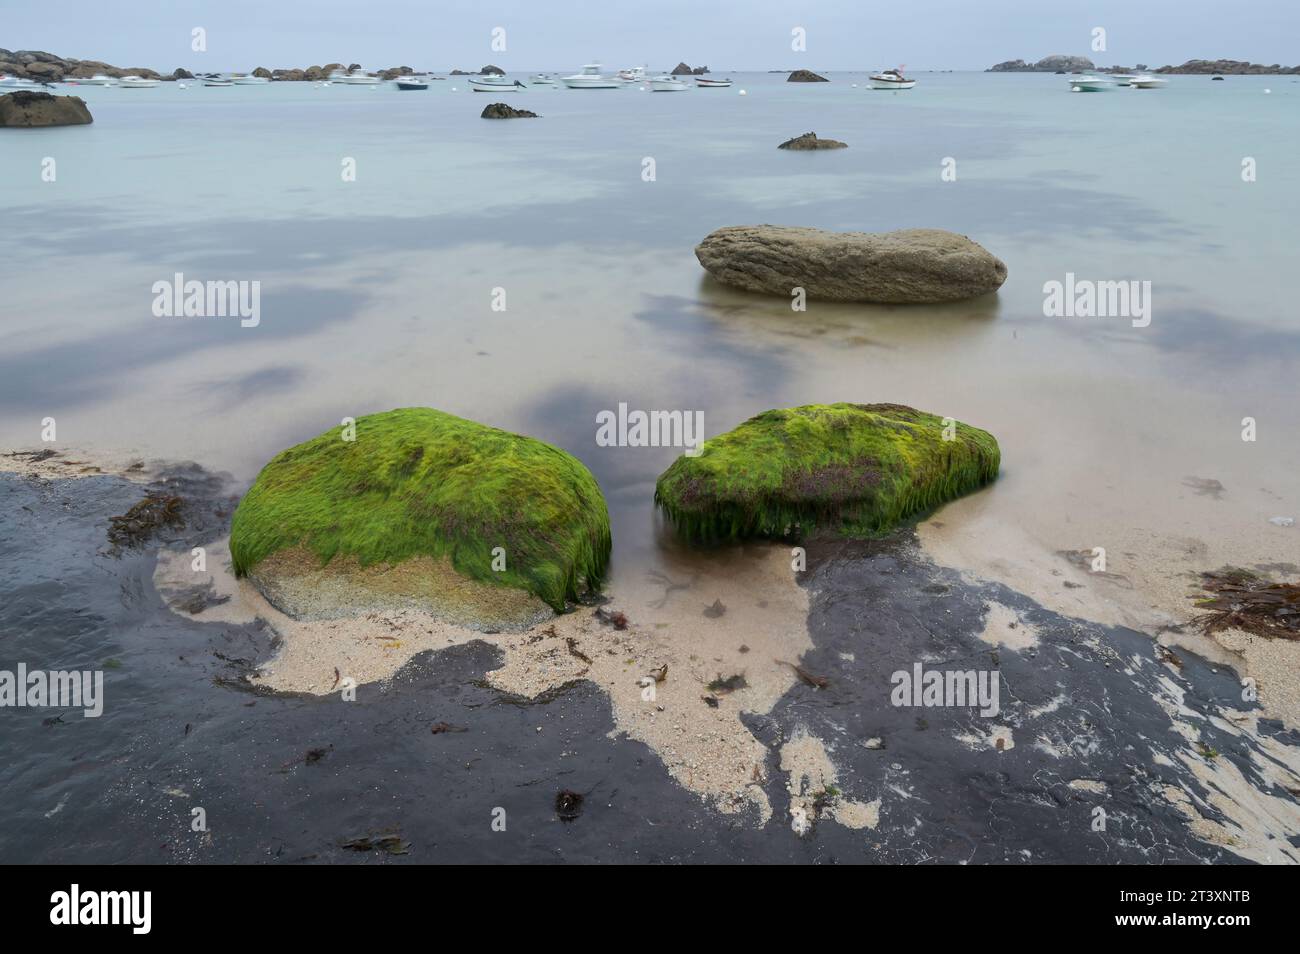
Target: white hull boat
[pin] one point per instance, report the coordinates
(1123, 79)
(137, 82)
(1091, 84)
(411, 83)
(1149, 82)
(361, 79)
(10, 83)
(667, 84)
(250, 81)
(591, 78)
(542, 79)
(712, 84)
(99, 79)
(634, 75)
(218, 82)
(891, 79)
(494, 84)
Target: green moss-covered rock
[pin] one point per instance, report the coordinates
(855, 468)
(410, 512)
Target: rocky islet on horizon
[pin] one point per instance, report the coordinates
(1070, 64)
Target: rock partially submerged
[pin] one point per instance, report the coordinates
(853, 468)
(681, 69)
(502, 111)
(910, 266)
(423, 509)
(805, 76)
(809, 140)
(29, 109)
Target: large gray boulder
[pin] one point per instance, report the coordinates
(28, 108)
(910, 266)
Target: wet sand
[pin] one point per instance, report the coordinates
(1092, 716)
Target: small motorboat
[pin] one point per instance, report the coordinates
(17, 82)
(1091, 84)
(494, 83)
(137, 82)
(667, 84)
(411, 82)
(1147, 81)
(591, 78)
(250, 80)
(1218, 78)
(1123, 79)
(218, 81)
(703, 83)
(891, 79)
(542, 79)
(99, 79)
(635, 74)
(359, 79)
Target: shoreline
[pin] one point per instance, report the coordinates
(848, 618)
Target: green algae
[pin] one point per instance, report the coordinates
(860, 469)
(417, 481)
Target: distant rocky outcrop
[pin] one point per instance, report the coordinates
(45, 67)
(809, 140)
(909, 266)
(459, 73)
(395, 72)
(263, 73)
(180, 74)
(681, 69)
(491, 70)
(1048, 64)
(1069, 64)
(805, 76)
(28, 109)
(1229, 67)
(502, 111)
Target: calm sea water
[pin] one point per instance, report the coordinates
(378, 292)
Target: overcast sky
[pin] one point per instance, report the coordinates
(725, 34)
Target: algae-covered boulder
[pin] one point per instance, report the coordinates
(854, 468)
(411, 513)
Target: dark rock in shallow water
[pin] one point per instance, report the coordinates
(180, 74)
(909, 266)
(809, 140)
(491, 70)
(805, 76)
(502, 111)
(681, 69)
(29, 109)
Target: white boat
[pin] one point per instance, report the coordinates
(250, 81)
(218, 81)
(17, 82)
(1091, 84)
(712, 83)
(891, 79)
(359, 79)
(1123, 79)
(667, 84)
(635, 74)
(1147, 81)
(591, 78)
(411, 82)
(137, 82)
(494, 83)
(542, 79)
(99, 79)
